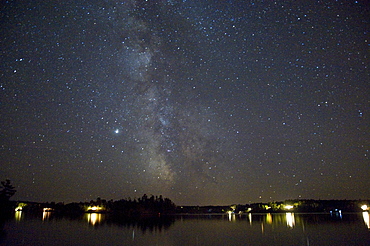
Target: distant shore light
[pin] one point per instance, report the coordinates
(289, 207)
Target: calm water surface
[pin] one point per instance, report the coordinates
(248, 229)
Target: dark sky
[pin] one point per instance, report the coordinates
(203, 102)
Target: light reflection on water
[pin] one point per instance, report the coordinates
(97, 218)
(93, 218)
(250, 218)
(365, 215)
(229, 229)
(273, 219)
(46, 215)
(290, 221)
(18, 215)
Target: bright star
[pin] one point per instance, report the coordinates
(116, 131)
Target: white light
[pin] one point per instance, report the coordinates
(93, 208)
(290, 221)
(116, 131)
(288, 206)
(365, 215)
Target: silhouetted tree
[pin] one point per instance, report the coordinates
(6, 190)
(144, 206)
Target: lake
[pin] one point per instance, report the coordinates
(228, 229)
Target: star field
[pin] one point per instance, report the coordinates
(204, 102)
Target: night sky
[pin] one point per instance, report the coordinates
(204, 102)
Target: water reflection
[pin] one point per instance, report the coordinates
(18, 215)
(231, 216)
(269, 221)
(46, 215)
(290, 221)
(336, 213)
(93, 218)
(269, 218)
(287, 220)
(247, 229)
(365, 215)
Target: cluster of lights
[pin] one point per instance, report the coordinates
(288, 207)
(94, 208)
(20, 207)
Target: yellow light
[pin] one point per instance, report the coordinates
(20, 206)
(269, 218)
(18, 215)
(45, 215)
(94, 218)
(93, 208)
(364, 207)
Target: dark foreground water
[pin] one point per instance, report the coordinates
(249, 229)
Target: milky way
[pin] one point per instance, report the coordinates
(204, 102)
(171, 137)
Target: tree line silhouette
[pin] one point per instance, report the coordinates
(154, 206)
(6, 192)
(145, 206)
